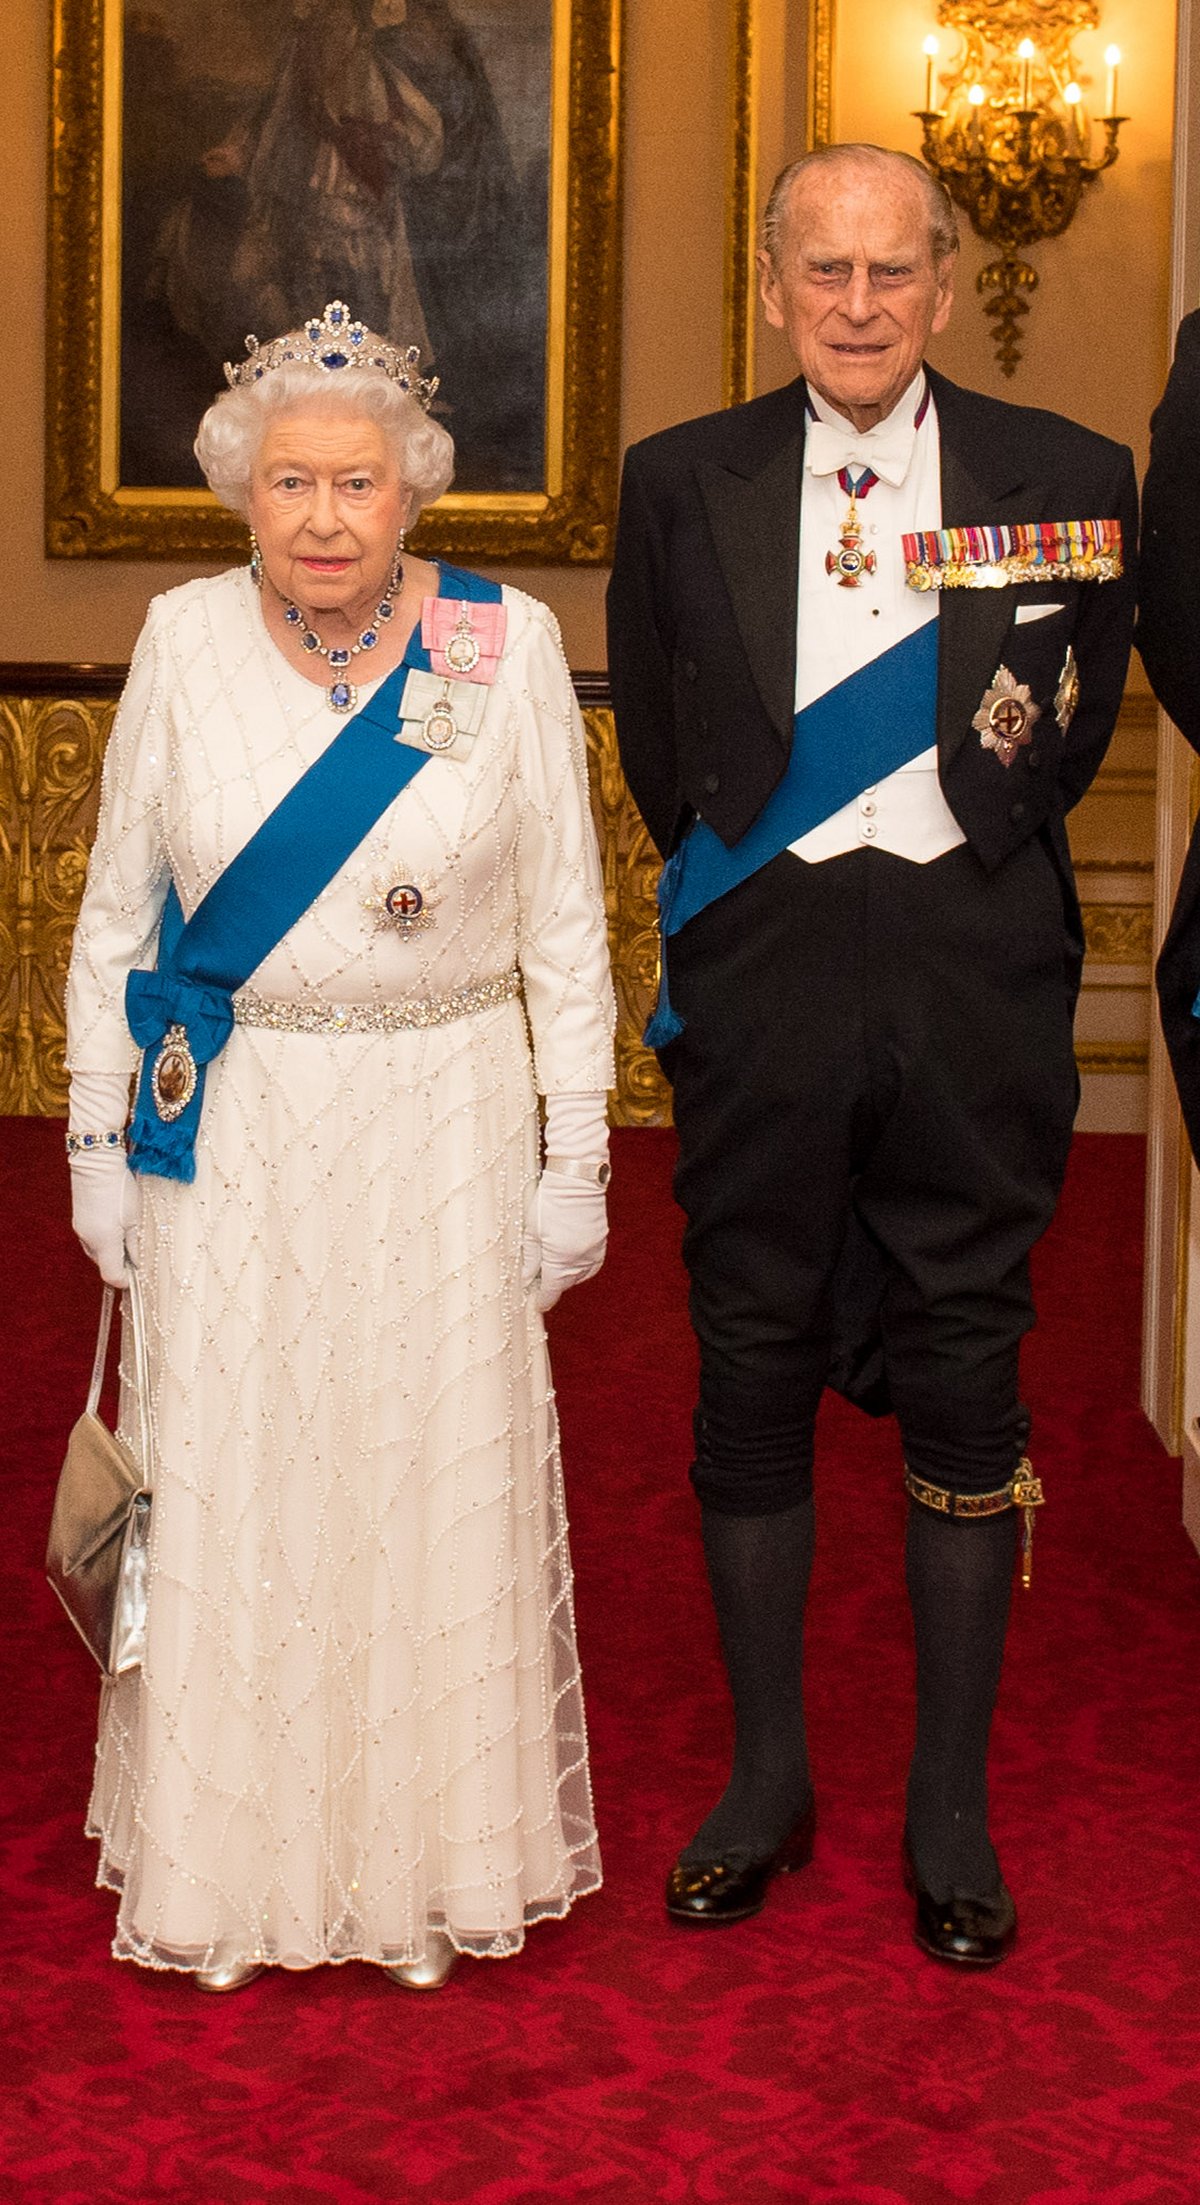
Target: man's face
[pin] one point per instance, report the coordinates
(856, 292)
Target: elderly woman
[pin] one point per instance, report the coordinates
(344, 871)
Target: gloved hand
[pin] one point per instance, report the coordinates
(105, 1197)
(567, 1232)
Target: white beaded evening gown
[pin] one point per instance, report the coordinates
(360, 1712)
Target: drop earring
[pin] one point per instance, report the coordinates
(256, 565)
(397, 582)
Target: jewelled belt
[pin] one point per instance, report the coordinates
(410, 1014)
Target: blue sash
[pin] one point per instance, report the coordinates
(868, 726)
(258, 898)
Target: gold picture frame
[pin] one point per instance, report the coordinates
(566, 517)
(758, 28)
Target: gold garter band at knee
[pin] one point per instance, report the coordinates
(1023, 1491)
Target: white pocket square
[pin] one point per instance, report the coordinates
(1034, 612)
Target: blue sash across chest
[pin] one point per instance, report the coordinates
(880, 718)
(181, 1014)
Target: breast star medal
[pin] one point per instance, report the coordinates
(401, 907)
(1066, 696)
(1006, 717)
(851, 563)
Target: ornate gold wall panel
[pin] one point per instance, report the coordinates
(1119, 933)
(50, 753)
(51, 748)
(631, 868)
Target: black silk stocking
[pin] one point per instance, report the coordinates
(758, 1568)
(960, 1585)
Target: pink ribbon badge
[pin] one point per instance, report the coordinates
(464, 640)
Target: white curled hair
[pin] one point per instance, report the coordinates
(229, 436)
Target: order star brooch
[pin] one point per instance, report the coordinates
(402, 907)
(1006, 717)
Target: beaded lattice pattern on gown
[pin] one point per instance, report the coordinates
(360, 1715)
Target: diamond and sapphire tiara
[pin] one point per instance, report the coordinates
(334, 343)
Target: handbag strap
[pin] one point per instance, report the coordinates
(141, 1367)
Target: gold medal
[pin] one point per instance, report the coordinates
(851, 562)
(1066, 696)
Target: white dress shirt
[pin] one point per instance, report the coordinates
(840, 630)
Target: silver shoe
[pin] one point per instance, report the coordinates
(230, 1977)
(435, 1966)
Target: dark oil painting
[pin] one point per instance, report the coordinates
(279, 154)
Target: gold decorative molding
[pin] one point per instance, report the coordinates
(1113, 1056)
(820, 71)
(91, 514)
(51, 750)
(743, 182)
(51, 747)
(631, 868)
(741, 212)
(1119, 933)
(50, 754)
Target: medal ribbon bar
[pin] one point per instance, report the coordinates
(998, 556)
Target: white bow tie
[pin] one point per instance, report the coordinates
(886, 450)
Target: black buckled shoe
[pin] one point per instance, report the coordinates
(969, 1932)
(731, 1891)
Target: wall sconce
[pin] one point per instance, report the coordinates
(1013, 139)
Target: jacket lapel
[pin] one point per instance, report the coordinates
(753, 508)
(984, 479)
(754, 514)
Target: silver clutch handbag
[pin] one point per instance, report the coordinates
(97, 1559)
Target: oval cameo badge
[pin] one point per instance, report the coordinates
(173, 1079)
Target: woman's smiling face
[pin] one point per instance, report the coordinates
(327, 505)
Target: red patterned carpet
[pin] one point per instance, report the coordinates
(813, 2055)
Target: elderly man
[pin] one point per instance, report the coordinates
(868, 636)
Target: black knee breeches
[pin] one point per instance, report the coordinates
(875, 1041)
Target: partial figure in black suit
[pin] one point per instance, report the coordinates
(868, 1028)
(1168, 637)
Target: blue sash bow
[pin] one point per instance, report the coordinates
(261, 894)
(877, 720)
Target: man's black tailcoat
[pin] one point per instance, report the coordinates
(702, 615)
(1168, 638)
(702, 655)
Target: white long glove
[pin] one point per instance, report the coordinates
(567, 1232)
(105, 1198)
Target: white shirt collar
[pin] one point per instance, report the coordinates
(833, 442)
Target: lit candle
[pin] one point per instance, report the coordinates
(1072, 96)
(929, 49)
(976, 97)
(1112, 57)
(1026, 53)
